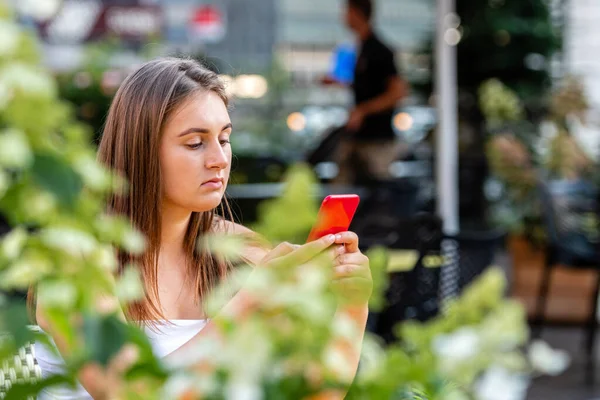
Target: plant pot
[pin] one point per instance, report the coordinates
(569, 297)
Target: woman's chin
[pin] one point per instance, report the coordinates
(209, 202)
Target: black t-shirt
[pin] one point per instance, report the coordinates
(374, 67)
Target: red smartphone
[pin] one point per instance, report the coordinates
(335, 215)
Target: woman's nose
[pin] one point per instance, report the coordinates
(217, 157)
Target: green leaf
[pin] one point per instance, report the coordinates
(104, 336)
(147, 364)
(14, 321)
(56, 175)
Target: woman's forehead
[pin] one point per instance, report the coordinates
(205, 108)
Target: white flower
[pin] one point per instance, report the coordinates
(70, 240)
(207, 349)
(13, 243)
(461, 345)
(177, 385)
(344, 327)
(58, 294)
(243, 389)
(134, 242)
(25, 78)
(24, 273)
(40, 204)
(92, 173)
(260, 280)
(313, 307)
(129, 286)
(252, 341)
(335, 361)
(14, 149)
(9, 38)
(311, 278)
(499, 384)
(106, 258)
(40, 10)
(230, 246)
(180, 384)
(371, 357)
(547, 360)
(505, 329)
(513, 361)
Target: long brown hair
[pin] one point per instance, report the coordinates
(130, 146)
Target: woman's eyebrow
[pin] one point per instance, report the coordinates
(202, 130)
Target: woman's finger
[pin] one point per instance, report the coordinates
(337, 251)
(281, 250)
(307, 252)
(350, 270)
(349, 239)
(351, 258)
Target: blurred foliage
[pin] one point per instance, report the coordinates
(565, 158)
(569, 99)
(296, 198)
(521, 154)
(53, 191)
(510, 40)
(90, 88)
(499, 104)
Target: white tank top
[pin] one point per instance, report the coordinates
(166, 339)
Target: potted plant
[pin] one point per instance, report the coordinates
(520, 155)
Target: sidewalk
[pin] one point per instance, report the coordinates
(571, 384)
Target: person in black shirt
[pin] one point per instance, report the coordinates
(370, 144)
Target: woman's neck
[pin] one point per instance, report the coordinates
(174, 226)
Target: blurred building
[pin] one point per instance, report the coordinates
(261, 42)
(308, 31)
(245, 35)
(582, 44)
(581, 57)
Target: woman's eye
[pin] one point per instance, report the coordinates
(194, 146)
(224, 142)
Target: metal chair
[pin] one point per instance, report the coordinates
(572, 241)
(476, 253)
(414, 293)
(22, 368)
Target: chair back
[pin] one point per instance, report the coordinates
(569, 211)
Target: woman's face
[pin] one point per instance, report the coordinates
(195, 154)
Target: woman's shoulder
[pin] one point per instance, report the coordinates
(221, 225)
(256, 247)
(224, 226)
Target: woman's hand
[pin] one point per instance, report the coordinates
(107, 383)
(286, 254)
(352, 274)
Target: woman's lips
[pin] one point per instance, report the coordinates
(213, 184)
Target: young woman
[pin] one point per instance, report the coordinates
(168, 133)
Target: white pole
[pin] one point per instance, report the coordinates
(447, 133)
(447, 37)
